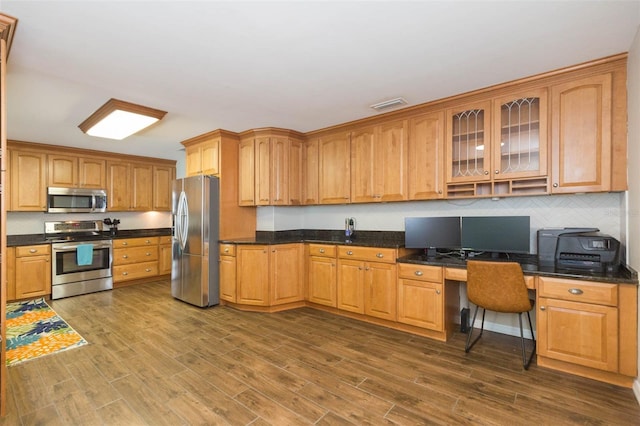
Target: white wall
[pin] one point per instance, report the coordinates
(633, 156)
(603, 211)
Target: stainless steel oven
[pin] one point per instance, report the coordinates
(72, 273)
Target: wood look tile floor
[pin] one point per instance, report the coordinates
(153, 360)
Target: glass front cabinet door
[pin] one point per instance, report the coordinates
(520, 130)
(498, 147)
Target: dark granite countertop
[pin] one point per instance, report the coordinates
(31, 239)
(389, 239)
(530, 266)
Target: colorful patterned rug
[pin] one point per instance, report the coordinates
(34, 330)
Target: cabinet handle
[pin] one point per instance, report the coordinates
(418, 273)
(542, 308)
(148, 270)
(124, 243)
(379, 255)
(555, 185)
(226, 250)
(439, 191)
(125, 256)
(321, 250)
(33, 250)
(575, 291)
(366, 269)
(497, 172)
(273, 251)
(125, 273)
(359, 268)
(486, 172)
(349, 252)
(437, 291)
(148, 254)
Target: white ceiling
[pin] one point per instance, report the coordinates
(300, 65)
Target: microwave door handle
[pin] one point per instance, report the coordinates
(93, 203)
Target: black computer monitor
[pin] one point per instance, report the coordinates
(496, 234)
(432, 233)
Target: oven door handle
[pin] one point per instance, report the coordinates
(100, 246)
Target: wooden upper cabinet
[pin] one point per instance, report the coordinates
(246, 172)
(426, 159)
(334, 170)
(390, 151)
(379, 163)
(63, 171)
(142, 184)
(363, 165)
(468, 145)
(118, 186)
(28, 181)
(203, 158)
(295, 172)
(520, 133)
(70, 171)
(262, 171)
(581, 135)
(92, 173)
(163, 177)
(310, 171)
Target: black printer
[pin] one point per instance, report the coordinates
(583, 249)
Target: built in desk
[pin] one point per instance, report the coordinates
(586, 322)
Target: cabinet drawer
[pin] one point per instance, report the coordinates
(386, 255)
(420, 272)
(134, 255)
(324, 250)
(167, 239)
(578, 291)
(227, 249)
(39, 250)
(133, 272)
(135, 242)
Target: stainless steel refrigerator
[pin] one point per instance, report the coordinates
(194, 265)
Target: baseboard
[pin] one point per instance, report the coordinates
(636, 389)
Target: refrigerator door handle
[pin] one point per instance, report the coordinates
(182, 220)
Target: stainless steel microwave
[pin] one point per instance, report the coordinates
(76, 200)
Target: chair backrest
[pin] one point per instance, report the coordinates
(497, 286)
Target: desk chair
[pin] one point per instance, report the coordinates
(499, 287)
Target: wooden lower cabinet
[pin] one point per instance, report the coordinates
(228, 267)
(165, 255)
(366, 286)
(578, 322)
(135, 258)
(253, 276)
(322, 274)
(268, 275)
(29, 272)
(421, 296)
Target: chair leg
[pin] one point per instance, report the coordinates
(468, 346)
(526, 362)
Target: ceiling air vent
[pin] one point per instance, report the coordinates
(391, 103)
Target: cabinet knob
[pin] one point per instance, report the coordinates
(33, 250)
(148, 254)
(125, 273)
(486, 172)
(497, 172)
(124, 243)
(555, 185)
(226, 250)
(366, 269)
(125, 256)
(439, 191)
(418, 273)
(148, 270)
(542, 308)
(321, 250)
(379, 255)
(349, 252)
(359, 268)
(437, 291)
(148, 242)
(575, 291)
